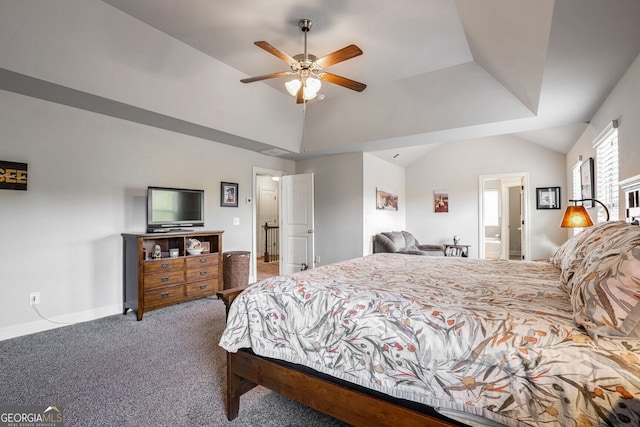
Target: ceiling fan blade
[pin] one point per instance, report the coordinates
(343, 81)
(299, 99)
(343, 54)
(275, 51)
(266, 76)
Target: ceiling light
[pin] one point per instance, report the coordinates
(309, 90)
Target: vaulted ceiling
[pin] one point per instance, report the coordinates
(436, 70)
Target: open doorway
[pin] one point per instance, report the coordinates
(503, 219)
(266, 245)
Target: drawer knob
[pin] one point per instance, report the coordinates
(203, 260)
(203, 273)
(164, 279)
(165, 265)
(164, 294)
(203, 286)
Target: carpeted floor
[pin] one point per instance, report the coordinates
(166, 370)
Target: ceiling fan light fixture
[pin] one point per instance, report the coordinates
(293, 86)
(310, 89)
(312, 85)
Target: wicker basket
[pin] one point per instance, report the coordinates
(235, 269)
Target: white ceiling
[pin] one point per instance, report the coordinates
(436, 70)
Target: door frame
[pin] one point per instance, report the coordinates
(524, 176)
(254, 216)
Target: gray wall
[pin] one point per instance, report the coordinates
(338, 205)
(456, 167)
(87, 181)
(622, 105)
(380, 174)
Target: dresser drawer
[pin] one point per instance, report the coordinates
(202, 273)
(160, 265)
(163, 296)
(202, 261)
(162, 279)
(206, 287)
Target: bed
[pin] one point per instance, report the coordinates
(394, 339)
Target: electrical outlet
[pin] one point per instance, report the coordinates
(34, 298)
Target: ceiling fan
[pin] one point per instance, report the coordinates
(308, 69)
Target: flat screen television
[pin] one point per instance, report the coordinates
(174, 209)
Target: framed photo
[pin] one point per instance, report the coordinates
(586, 181)
(440, 201)
(386, 201)
(548, 198)
(229, 194)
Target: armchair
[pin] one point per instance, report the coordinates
(404, 242)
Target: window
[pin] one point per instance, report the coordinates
(606, 146)
(491, 207)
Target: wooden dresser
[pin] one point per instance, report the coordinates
(150, 283)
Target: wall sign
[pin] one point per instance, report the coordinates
(13, 176)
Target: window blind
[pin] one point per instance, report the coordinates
(606, 146)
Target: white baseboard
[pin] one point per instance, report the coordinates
(64, 320)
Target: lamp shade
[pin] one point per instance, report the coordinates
(576, 216)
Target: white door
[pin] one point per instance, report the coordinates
(296, 223)
(524, 253)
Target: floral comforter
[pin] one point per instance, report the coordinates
(490, 338)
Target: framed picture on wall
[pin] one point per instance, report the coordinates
(587, 181)
(229, 194)
(386, 201)
(440, 201)
(548, 198)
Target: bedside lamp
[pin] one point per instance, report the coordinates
(577, 216)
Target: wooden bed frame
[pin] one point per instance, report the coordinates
(246, 370)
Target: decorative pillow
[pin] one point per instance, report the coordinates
(566, 250)
(397, 240)
(606, 288)
(570, 255)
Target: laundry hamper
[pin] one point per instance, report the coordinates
(235, 269)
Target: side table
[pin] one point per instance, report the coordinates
(456, 250)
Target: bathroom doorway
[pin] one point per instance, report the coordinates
(503, 219)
